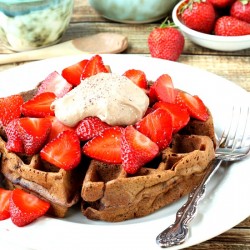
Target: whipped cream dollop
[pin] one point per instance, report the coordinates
(115, 99)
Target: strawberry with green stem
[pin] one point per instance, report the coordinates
(198, 15)
(166, 42)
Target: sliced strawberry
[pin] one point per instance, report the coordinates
(39, 106)
(34, 133)
(56, 84)
(105, 147)
(94, 66)
(136, 149)
(64, 151)
(4, 203)
(152, 94)
(193, 104)
(73, 72)
(148, 111)
(163, 89)
(57, 127)
(10, 108)
(14, 142)
(138, 77)
(180, 116)
(157, 126)
(26, 207)
(90, 127)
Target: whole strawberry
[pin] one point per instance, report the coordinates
(166, 42)
(241, 10)
(198, 15)
(231, 26)
(221, 3)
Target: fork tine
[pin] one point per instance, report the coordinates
(235, 139)
(233, 130)
(238, 136)
(244, 138)
(241, 146)
(247, 133)
(224, 140)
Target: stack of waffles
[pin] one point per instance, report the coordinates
(106, 191)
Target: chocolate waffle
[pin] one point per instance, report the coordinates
(110, 194)
(61, 188)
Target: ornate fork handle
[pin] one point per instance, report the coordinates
(177, 233)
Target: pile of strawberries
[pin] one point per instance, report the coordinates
(32, 128)
(219, 17)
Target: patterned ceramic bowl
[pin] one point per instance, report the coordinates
(26, 25)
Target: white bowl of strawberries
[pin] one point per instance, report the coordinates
(218, 25)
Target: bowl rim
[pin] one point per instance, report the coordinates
(101, 8)
(201, 35)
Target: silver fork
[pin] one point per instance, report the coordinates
(234, 144)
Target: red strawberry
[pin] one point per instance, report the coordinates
(94, 66)
(136, 149)
(148, 111)
(152, 95)
(57, 127)
(25, 207)
(162, 90)
(34, 133)
(64, 151)
(231, 26)
(157, 126)
(221, 3)
(138, 77)
(105, 147)
(39, 105)
(180, 116)
(198, 15)
(10, 108)
(166, 42)
(241, 10)
(4, 203)
(73, 72)
(14, 142)
(193, 104)
(90, 127)
(54, 83)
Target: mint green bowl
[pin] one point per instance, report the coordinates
(133, 11)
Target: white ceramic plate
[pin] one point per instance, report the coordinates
(226, 204)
